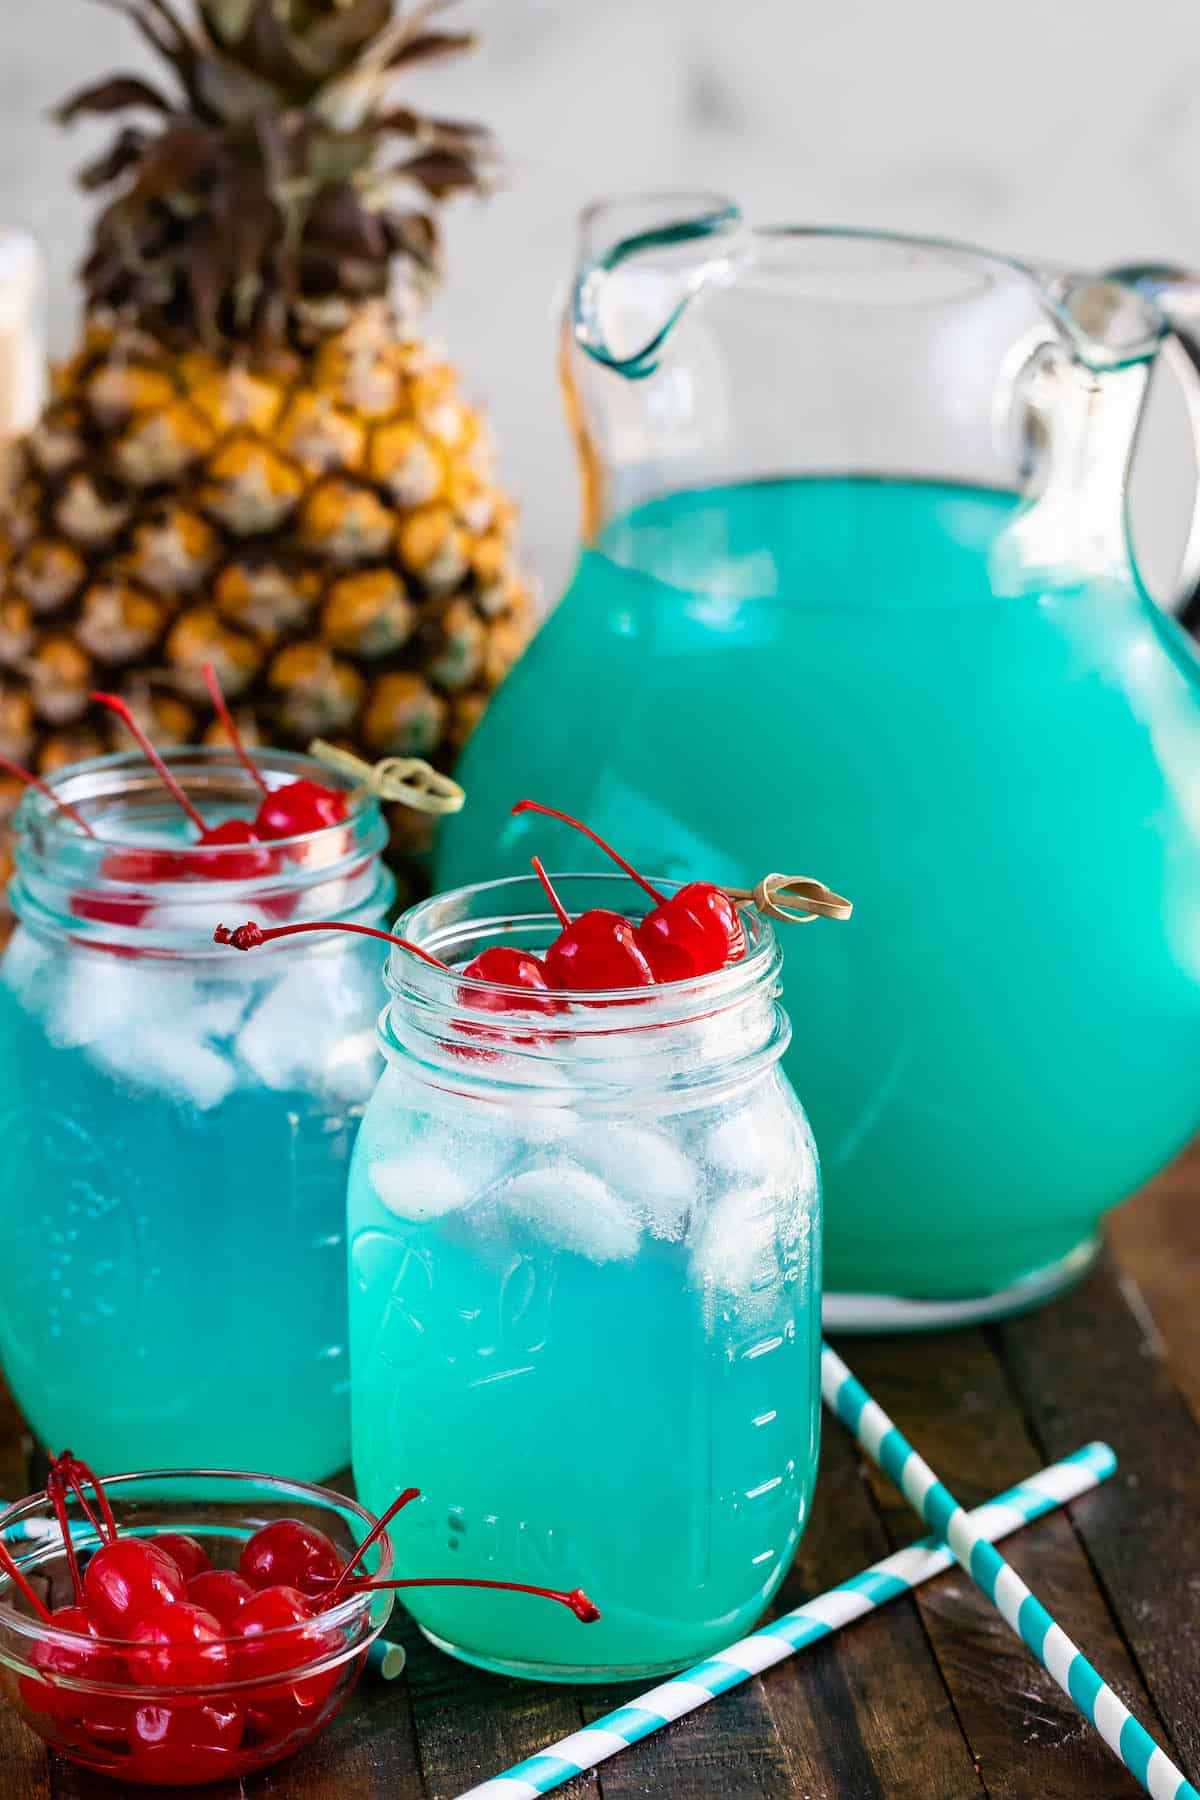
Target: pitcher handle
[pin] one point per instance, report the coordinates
(1176, 293)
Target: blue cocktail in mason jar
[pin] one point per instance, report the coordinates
(585, 1292)
(177, 1123)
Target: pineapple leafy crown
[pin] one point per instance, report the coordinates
(274, 183)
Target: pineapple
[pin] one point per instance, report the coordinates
(253, 459)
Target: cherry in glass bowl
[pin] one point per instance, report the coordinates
(190, 1719)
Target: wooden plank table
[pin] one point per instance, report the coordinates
(931, 1698)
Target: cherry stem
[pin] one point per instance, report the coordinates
(58, 1500)
(115, 704)
(15, 1576)
(585, 1610)
(551, 813)
(77, 1473)
(373, 1536)
(43, 787)
(235, 737)
(564, 917)
(249, 936)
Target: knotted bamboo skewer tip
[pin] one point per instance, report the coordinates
(404, 780)
(792, 899)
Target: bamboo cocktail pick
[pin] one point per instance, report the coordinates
(806, 1625)
(1019, 1608)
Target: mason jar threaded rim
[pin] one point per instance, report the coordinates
(334, 871)
(711, 1030)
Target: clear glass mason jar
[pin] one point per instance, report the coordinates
(585, 1296)
(176, 1123)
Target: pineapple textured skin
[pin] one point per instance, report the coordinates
(253, 459)
(324, 528)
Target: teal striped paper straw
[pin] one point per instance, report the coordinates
(1062, 1659)
(808, 1624)
(35, 1531)
(386, 1660)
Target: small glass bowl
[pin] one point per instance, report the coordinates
(183, 1737)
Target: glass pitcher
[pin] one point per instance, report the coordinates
(857, 594)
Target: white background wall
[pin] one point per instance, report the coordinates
(1069, 130)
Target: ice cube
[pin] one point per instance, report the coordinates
(352, 1068)
(182, 919)
(423, 1166)
(296, 1034)
(276, 1042)
(609, 1060)
(716, 1039)
(220, 1013)
(762, 1136)
(24, 968)
(103, 997)
(654, 1174)
(150, 1025)
(572, 1209)
(168, 1059)
(422, 1185)
(734, 1245)
(732, 1144)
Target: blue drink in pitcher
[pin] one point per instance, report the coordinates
(927, 1036)
(177, 1124)
(857, 592)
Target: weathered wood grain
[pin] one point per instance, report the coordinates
(1156, 1240)
(951, 1396)
(864, 1714)
(1084, 1367)
(471, 1725)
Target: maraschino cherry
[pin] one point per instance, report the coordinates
(284, 812)
(127, 1579)
(598, 950)
(498, 967)
(506, 967)
(193, 1558)
(221, 1592)
(693, 932)
(89, 1660)
(84, 1659)
(175, 1745)
(288, 1553)
(133, 1624)
(176, 1644)
(165, 865)
(274, 1629)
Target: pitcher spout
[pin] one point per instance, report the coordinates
(643, 259)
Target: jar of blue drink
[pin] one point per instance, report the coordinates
(585, 1294)
(176, 1123)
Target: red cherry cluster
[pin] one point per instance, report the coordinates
(291, 811)
(207, 1666)
(692, 932)
(285, 812)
